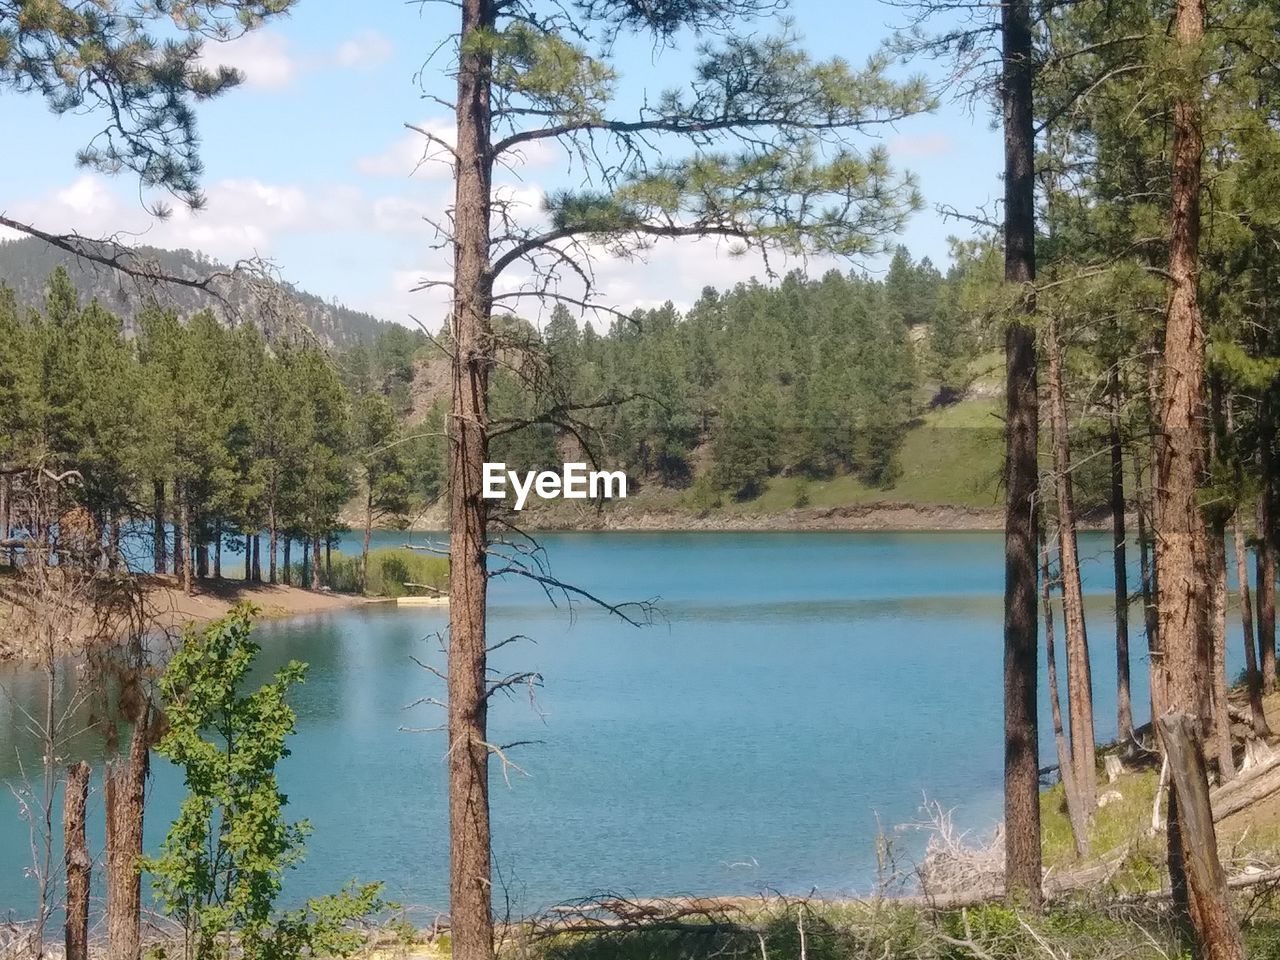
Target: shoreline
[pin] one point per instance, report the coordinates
(883, 517)
(170, 610)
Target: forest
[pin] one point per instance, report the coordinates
(214, 434)
(1127, 282)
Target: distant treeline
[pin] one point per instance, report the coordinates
(209, 431)
(811, 377)
(221, 434)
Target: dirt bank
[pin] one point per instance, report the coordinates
(868, 516)
(163, 604)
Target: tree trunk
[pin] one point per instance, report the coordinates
(1182, 562)
(364, 547)
(217, 550)
(1218, 637)
(5, 509)
(257, 557)
(1253, 679)
(1119, 535)
(179, 533)
(288, 559)
(183, 551)
(113, 543)
(1267, 546)
(306, 562)
(1146, 574)
(158, 528)
(1079, 675)
(125, 790)
(1193, 843)
(78, 863)
(273, 545)
(328, 559)
(202, 561)
(470, 857)
(1021, 640)
(315, 562)
(1075, 809)
(248, 557)
(1182, 565)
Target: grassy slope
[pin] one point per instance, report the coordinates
(952, 457)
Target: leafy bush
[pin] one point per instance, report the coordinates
(222, 865)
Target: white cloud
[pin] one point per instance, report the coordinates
(366, 50)
(921, 145)
(242, 217)
(263, 56)
(412, 153)
(399, 214)
(270, 63)
(424, 151)
(247, 216)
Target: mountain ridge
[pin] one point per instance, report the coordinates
(26, 263)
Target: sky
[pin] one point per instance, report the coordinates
(310, 163)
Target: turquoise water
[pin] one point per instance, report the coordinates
(795, 692)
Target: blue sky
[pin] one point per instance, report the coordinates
(309, 162)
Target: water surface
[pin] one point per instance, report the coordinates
(796, 693)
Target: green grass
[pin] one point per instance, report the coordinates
(951, 457)
(393, 572)
(1120, 824)
(820, 931)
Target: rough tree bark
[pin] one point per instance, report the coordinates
(217, 550)
(470, 866)
(1201, 879)
(125, 793)
(1021, 641)
(77, 861)
(1084, 758)
(1075, 810)
(1182, 562)
(288, 559)
(1119, 536)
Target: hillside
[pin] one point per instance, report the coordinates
(25, 266)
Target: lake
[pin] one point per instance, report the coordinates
(796, 693)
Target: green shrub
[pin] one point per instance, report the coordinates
(222, 865)
(703, 497)
(393, 572)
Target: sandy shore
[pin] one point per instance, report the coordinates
(166, 608)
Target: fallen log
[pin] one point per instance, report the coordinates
(1194, 843)
(616, 915)
(1236, 796)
